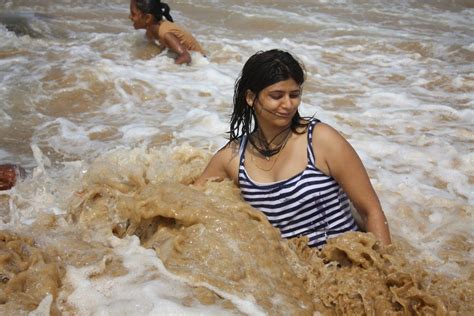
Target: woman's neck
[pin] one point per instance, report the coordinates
(272, 135)
(268, 147)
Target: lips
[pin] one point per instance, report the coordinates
(284, 115)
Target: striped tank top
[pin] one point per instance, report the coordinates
(308, 204)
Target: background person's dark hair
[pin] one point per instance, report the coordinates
(261, 70)
(155, 8)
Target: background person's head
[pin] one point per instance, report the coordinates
(261, 70)
(155, 8)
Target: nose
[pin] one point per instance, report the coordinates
(286, 102)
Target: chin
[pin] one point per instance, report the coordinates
(283, 122)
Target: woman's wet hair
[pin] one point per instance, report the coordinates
(155, 8)
(261, 70)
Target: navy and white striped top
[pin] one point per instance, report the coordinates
(308, 204)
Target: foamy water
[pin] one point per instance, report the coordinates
(397, 79)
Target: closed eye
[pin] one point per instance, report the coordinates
(276, 96)
(295, 95)
(279, 95)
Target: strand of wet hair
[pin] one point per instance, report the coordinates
(165, 9)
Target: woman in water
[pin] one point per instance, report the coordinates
(301, 173)
(155, 18)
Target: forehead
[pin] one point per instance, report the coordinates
(133, 7)
(284, 85)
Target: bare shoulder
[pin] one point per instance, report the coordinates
(327, 137)
(223, 164)
(331, 149)
(228, 152)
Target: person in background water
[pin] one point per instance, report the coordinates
(301, 173)
(9, 174)
(155, 18)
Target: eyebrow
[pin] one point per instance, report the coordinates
(284, 91)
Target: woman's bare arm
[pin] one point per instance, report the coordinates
(345, 166)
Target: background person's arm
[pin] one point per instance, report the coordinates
(173, 43)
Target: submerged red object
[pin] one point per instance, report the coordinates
(9, 174)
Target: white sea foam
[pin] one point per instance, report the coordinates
(132, 133)
(148, 288)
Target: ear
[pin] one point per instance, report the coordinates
(149, 19)
(250, 97)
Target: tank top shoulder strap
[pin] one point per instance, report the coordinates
(311, 156)
(243, 144)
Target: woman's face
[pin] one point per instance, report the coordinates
(137, 17)
(276, 104)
